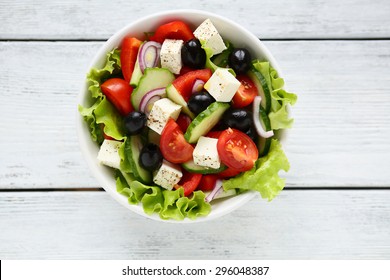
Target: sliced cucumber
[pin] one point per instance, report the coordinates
(137, 74)
(194, 168)
(175, 96)
(152, 78)
(262, 87)
(264, 143)
(129, 177)
(154, 137)
(205, 121)
(133, 146)
(223, 193)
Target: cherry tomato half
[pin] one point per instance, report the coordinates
(237, 150)
(183, 122)
(129, 51)
(118, 92)
(173, 30)
(230, 172)
(189, 182)
(245, 93)
(173, 145)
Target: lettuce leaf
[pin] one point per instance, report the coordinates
(106, 114)
(168, 204)
(280, 98)
(209, 58)
(263, 177)
(97, 76)
(95, 115)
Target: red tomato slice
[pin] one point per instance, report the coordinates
(173, 30)
(189, 182)
(183, 122)
(237, 150)
(214, 134)
(129, 51)
(118, 92)
(245, 93)
(230, 172)
(184, 83)
(173, 145)
(208, 182)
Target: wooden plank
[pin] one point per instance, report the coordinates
(267, 19)
(341, 135)
(297, 225)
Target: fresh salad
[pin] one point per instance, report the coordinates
(185, 118)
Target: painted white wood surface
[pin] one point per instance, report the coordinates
(296, 225)
(341, 135)
(74, 19)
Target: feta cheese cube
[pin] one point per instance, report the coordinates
(170, 55)
(206, 153)
(168, 175)
(222, 85)
(208, 33)
(161, 112)
(108, 153)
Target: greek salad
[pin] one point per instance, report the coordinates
(185, 118)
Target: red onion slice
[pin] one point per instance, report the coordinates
(256, 119)
(149, 97)
(217, 189)
(197, 86)
(149, 55)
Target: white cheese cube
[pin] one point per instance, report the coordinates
(108, 153)
(161, 112)
(222, 85)
(206, 153)
(170, 55)
(168, 175)
(208, 33)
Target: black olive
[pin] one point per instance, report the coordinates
(150, 157)
(200, 101)
(239, 119)
(192, 54)
(134, 123)
(252, 134)
(240, 60)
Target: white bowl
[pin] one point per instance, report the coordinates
(230, 31)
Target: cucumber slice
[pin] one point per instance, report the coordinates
(223, 193)
(137, 74)
(176, 97)
(153, 78)
(194, 168)
(129, 177)
(133, 146)
(205, 121)
(154, 137)
(264, 143)
(262, 87)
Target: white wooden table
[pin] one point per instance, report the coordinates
(334, 54)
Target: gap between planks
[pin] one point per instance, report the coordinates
(325, 188)
(262, 39)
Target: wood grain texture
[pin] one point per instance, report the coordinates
(267, 19)
(297, 225)
(341, 135)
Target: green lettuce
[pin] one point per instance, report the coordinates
(168, 204)
(219, 61)
(264, 176)
(280, 98)
(101, 115)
